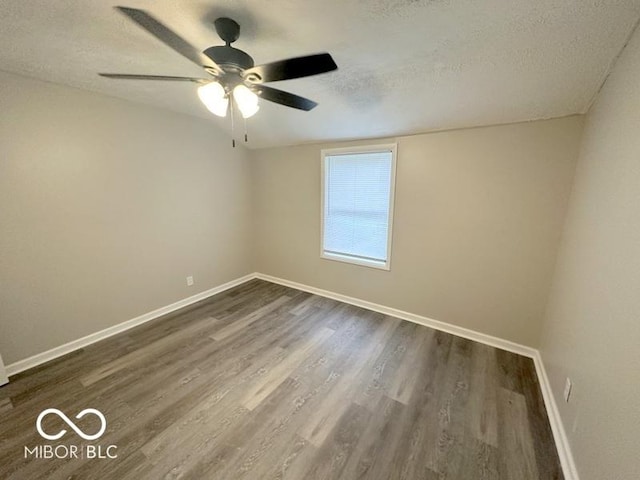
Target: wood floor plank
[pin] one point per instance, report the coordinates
(264, 381)
(263, 388)
(152, 350)
(379, 369)
(205, 444)
(226, 457)
(373, 455)
(404, 379)
(5, 406)
(416, 434)
(292, 464)
(246, 321)
(483, 395)
(453, 412)
(517, 457)
(480, 462)
(321, 423)
(289, 407)
(332, 457)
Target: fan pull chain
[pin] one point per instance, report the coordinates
(233, 136)
(246, 138)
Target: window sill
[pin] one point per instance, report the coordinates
(356, 261)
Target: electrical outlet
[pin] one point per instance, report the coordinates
(189, 280)
(567, 390)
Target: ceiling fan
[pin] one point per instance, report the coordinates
(233, 76)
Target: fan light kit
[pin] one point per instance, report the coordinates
(216, 99)
(234, 79)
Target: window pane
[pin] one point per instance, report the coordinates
(357, 194)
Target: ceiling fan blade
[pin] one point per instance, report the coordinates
(167, 36)
(292, 68)
(126, 76)
(284, 98)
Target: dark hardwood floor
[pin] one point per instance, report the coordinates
(267, 382)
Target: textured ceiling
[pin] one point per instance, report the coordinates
(405, 66)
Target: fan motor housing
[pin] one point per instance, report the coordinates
(227, 56)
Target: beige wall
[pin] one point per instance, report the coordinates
(592, 330)
(478, 215)
(105, 207)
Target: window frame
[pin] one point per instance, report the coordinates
(378, 148)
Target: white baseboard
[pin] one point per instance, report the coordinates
(4, 378)
(559, 433)
(411, 317)
(69, 347)
(557, 427)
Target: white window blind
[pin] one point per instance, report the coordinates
(357, 205)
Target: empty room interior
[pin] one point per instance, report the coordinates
(337, 239)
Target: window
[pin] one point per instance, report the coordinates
(357, 204)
